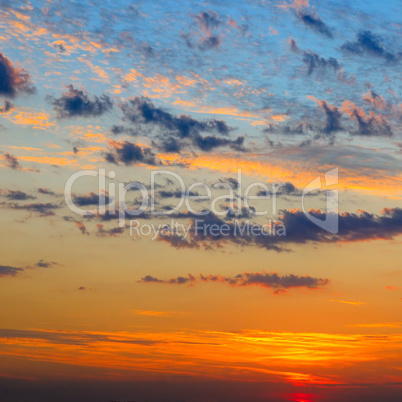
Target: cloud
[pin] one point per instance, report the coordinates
(11, 161)
(6, 270)
(261, 279)
(41, 209)
(13, 80)
(176, 194)
(141, 111)
(315, 23)
(170, 145)
(117, 130)
(18, 195)
(293, 45)
(348, 302)
(46, 191)
(90, 199)
(130, 154)
(292, 227)
(369, 44)
(315, 62)
(207, 21)
(367, 125)
(209, 143)
(287, 188)
(45, 264)
(152, 313)
(81, 227)
(373, 99)
(102, 232)
(76, 102)
(333, 117)
(7, 106)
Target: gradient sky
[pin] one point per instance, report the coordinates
(285, 91)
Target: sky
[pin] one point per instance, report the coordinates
(277, 277)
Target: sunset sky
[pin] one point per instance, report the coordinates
(285, 95)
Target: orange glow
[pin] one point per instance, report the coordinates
(297, 358)
(348, 302)
(275, 170)
(153, 313)
(38, 120)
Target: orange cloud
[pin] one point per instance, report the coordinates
(348, 302)
(37, 120)
(276, 169)
(152, 313)
(379, 325)
(295, 5)
(289, 357)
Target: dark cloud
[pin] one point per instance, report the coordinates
(262, 279)
(297, 128)
(59, 47)
(70, 337)
(367, 43)
(13, 80)
(293, 45)
(176, 194)
(210, 42)
(369, 124)
(207, 21)
(333, 123)
(333, 117)
(149, 278)
(352, 227)
(7, 106)
(81, 227)
(46, 191)
(90, 199)
(76, 102)
(41, 209)
(170, 145)
(210, 142)
(130, 154)
(6, 270)
(315, 23)
(180, 280)
(11, 161)
(18, 195)
(210, 231)
(315, 62)
(374, 99)
(117, 130)
(293, 227)
(372, 125)
(141, 111)
(234, 183)
(102, 232)
(45, 264)
(286, 189)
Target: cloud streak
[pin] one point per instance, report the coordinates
(262, 279)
